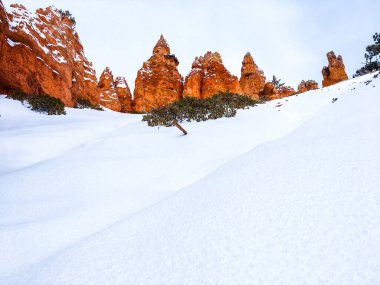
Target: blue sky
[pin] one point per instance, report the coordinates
(287, 38)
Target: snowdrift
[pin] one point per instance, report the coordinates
(285, 193)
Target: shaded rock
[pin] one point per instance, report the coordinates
(42, 53)
(158, 82)
(335, 72)
(252, 80)
(305, 86)
(209, 77)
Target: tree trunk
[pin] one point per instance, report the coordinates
(179, 127)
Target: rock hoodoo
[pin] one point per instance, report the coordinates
(209, 77)
(158, 82)
(124, 94)
(335, 72)
(108, 96)
(42, 53)
(252, 79)
(115, 94)
(305, 86)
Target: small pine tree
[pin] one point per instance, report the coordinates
(277, 82)
(67, 14)
(372, 58)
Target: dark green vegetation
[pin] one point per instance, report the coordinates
(85, 104)
(372, 58)
(18, 95)
(67, 14)
(41, 103)
(192, 109)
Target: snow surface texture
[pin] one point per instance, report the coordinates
(284, 194)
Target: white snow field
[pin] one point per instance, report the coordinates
(284, 194)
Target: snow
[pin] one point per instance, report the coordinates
(10, 42)
(276, 195)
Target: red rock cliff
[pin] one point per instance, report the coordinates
(209, 77)
(42, 53)
(335, 72)
(252, 79)
(158, 82)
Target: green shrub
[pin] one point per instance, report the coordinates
(86, 104)
(46, 104)
(18, 95)
(192, 109)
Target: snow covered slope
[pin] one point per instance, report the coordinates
(278, 195)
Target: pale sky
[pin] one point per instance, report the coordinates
(288, 38)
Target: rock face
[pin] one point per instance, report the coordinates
(158, 82)
(335, 71)
(124, 94)
(252, 80)
(269, 92)
(209, 77)
(305, 86)
(108, 96)
(42, 53)
(286, 91)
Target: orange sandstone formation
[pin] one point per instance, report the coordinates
(335, 71)
(209, 77)
(108, 96)
(305, 86)
(269, 92)
(124, 94)
(252, 79)
(158, 82)
(286, 91)
(41, 53)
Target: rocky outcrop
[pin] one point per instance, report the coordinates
(335, 72)
(305, 86)
(158, 82)
(269, 92)
(286, 91)
(115, 94)
(42, 53)
(193, 81)
(209, 77)
(108, 96)
(124, 94)
(252, 80)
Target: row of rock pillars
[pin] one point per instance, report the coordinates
(42, 53)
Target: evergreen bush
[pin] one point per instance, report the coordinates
(86, 104)
(67, 14)
(223, 104)
(18, 95)
(43, 103)
(372, 58)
